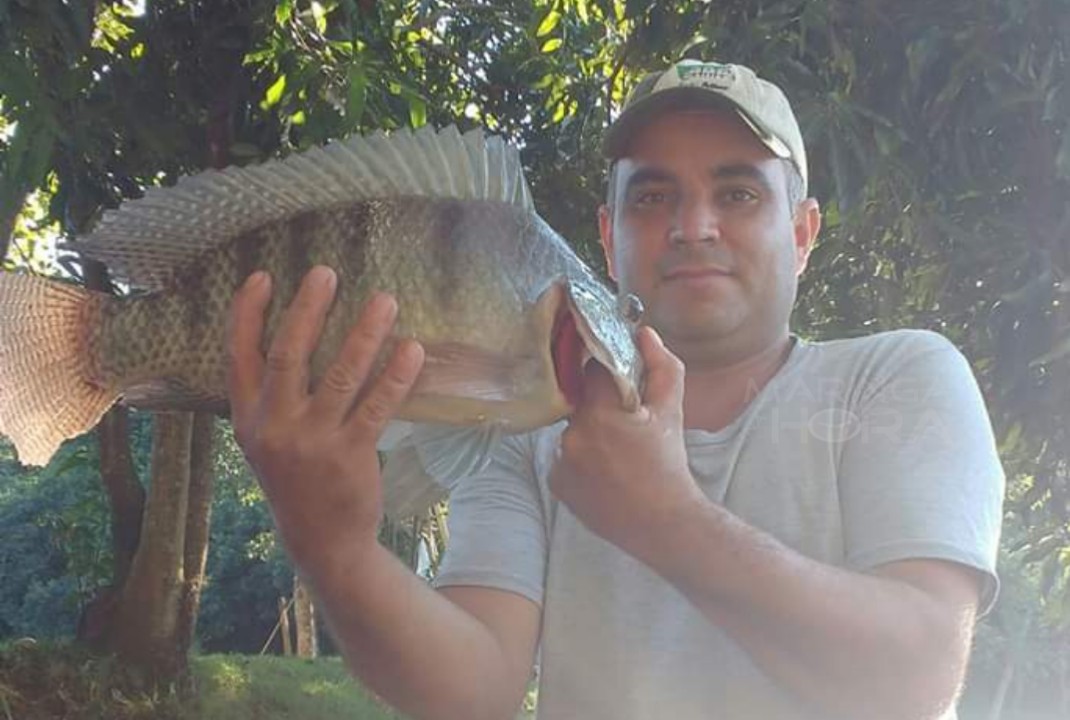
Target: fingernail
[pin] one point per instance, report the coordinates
(324, 277)
(381, 305)
(257, 280)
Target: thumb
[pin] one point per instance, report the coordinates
(664, 380)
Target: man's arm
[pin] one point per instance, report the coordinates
(458, 653)
(889, 644)
(893, 644)
(463, 654)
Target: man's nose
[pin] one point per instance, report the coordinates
(695, 221)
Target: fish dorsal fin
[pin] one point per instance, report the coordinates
(146, 240)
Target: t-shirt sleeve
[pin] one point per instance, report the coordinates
(497, 531)
(921, 477)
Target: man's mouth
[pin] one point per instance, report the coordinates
(691, 272)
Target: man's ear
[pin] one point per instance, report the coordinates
(807, 225)
(605, 231)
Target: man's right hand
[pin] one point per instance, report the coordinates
(313, 448)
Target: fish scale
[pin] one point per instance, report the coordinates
(442, 221)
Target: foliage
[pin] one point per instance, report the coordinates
(1024, 644)
(56, 548)
(247, 571)
(43, 682)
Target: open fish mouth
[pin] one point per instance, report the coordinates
(569, 355)
(588, 326)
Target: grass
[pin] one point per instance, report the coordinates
(239, 687)
(54, 682)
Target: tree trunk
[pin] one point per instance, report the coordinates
(9, 213)
(126, 496)
(284, 627)
(304, 620)
(198, 523)
(126, 500)
(149, 603)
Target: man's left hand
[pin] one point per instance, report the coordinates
(624, 474)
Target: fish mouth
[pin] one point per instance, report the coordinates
(569, 355)
(575, 341)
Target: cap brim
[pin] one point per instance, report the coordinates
(644, 111)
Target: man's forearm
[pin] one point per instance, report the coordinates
(851, 645)
(412, 646)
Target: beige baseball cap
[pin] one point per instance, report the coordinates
(691, 84)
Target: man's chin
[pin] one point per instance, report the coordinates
(700, 328)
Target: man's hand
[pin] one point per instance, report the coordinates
(313, 448)
(625, 474)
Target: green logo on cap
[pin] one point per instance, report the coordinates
(714, 75)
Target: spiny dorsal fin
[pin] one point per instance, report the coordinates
(146, 240)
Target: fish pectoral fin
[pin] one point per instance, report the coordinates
(171, 394)
(463, 371)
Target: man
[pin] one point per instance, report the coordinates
(784, 529)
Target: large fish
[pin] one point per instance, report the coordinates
(506, 311)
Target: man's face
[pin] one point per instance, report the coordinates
(700, 229)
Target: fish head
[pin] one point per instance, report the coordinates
(591, 324)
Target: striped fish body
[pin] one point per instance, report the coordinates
(468, 277)
(506, 312)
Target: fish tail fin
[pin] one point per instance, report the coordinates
(48, 388)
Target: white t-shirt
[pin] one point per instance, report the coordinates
(857, 453)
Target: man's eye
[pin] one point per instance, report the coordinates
(650, 197)
(740, 195)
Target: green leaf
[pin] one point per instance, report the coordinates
(581, 9)
(552, 44)
(548, 23)
(417, 111)
(319, 16)
(1011, 439)
(284, 10)
(356, 94)
(274, 93)
(544, 82)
